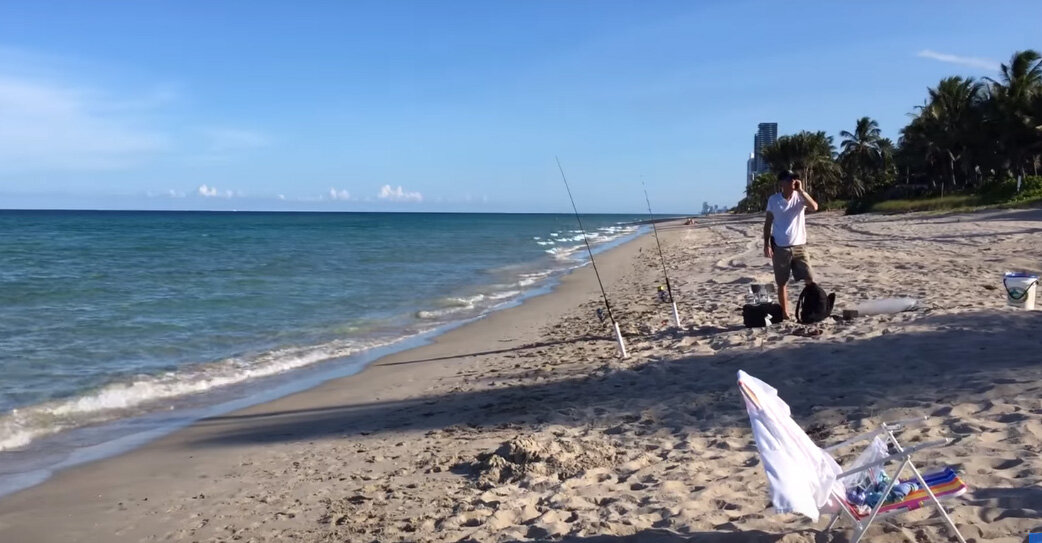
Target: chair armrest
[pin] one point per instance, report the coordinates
(894, 426)
(897, 456)
(899, 425)
(856, 439)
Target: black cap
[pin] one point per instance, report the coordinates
(786, 175)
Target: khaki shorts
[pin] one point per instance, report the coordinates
(793, 261)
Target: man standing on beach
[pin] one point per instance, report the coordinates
(785, 234)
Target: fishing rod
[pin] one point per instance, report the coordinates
(604, 295)
(669, 289)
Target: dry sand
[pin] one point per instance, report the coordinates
(525, 426)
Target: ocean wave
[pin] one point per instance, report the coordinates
(463, 302)
(600, 236)
(460, 304)
(137, 395)
(429, 314)
(529, 279)
(503, 295)
(563, 252)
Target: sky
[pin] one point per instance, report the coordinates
(450, 105)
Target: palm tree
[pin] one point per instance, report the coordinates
(887, 152)
(757, 192)
(949, 116)
(1013, 96)
(865, 137)
(1020, 78)
(945, 130)
(811, 154)
(861, 155)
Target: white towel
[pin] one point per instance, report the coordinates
(801, 474)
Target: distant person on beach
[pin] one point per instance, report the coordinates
(785, 234)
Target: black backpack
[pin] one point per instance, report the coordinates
(814, 305)
(755, 315)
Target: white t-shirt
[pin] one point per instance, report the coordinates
(789, 227)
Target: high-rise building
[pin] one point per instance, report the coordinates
(766, 134)
(750, 170)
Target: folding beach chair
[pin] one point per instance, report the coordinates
(806, 479)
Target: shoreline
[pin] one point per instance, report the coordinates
(380, 373)
(99, 441)
(526, 426)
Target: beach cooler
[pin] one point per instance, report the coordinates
(1020, 289)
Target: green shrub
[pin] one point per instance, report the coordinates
(957, 201)
(833, 205)
(1000, 192)
(994, 194)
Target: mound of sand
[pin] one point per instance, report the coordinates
(525, 459)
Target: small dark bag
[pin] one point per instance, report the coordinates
(755, 315)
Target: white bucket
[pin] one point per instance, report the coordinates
(1020, 289)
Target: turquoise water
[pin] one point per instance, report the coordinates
(109, 315)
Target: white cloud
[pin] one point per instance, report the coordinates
(972, 62)
(214, 192)
(338, 194)
(398, 194)
(175, 193)
(49, 126)
(282, 197)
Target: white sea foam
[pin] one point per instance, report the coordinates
(566, 253)
(503, 295)
(562, 252)
(429, 314)
(461, 304)
(463, 301)
(144, 393)
(529, 279)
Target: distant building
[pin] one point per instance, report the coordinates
(750, 170)
(766, 134)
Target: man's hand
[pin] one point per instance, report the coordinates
(768, 252)
(797, 186)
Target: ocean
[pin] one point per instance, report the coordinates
(115, 323)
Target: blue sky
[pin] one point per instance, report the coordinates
(452, 106)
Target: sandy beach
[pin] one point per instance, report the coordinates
(526, 426)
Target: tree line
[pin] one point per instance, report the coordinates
(968, 135)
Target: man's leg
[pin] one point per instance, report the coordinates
(782, 262)
(800, 265)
